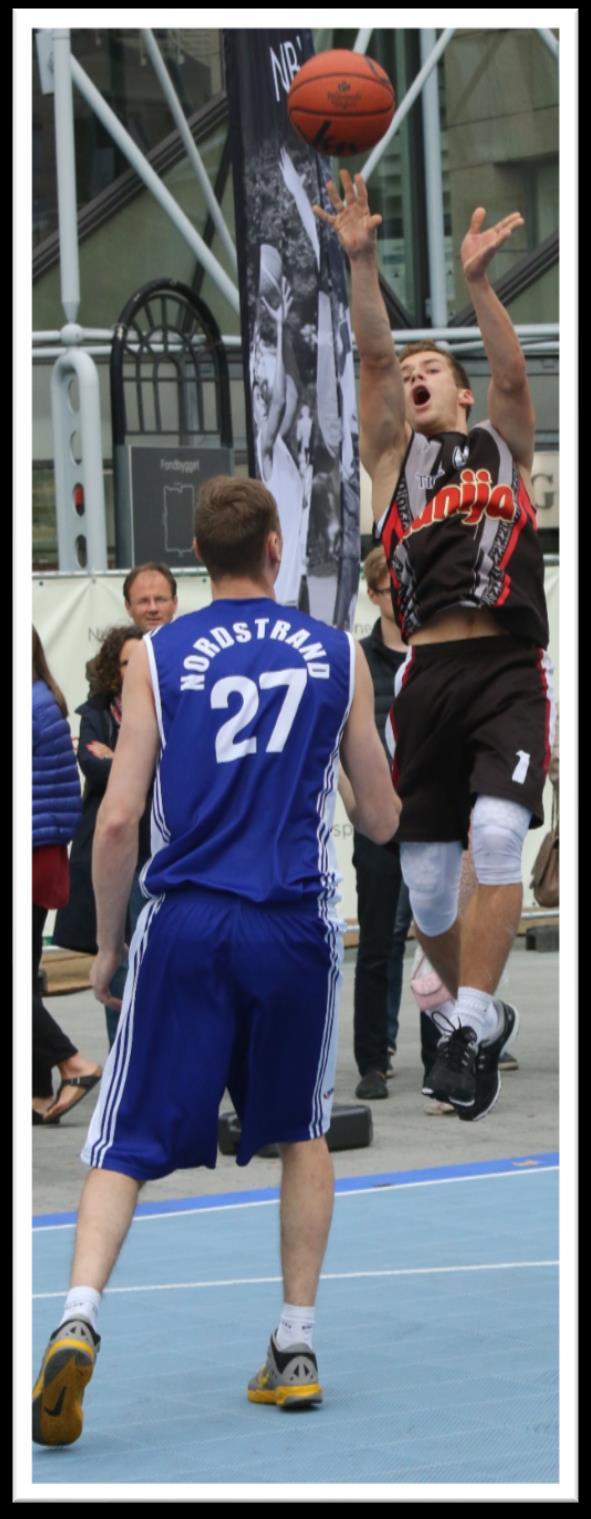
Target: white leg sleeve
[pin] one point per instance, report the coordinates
(499, 828)
(432, 874)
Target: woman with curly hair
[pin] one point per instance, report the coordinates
(100, 718)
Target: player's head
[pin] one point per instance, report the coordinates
(149, 593)
(377, 579)
(237, 530)
(436, 387)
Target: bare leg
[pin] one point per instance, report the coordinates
(307, 1190)
(106, 1210)
(489, 926)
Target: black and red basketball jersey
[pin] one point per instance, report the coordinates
(461, 531)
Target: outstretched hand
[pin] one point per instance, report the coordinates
(479, 247)
(353, 222)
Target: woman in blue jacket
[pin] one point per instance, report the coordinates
(56, 810)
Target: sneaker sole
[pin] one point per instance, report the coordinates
(475, 1117)
(58, 1394)
(287, 1397)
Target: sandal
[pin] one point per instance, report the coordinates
(39, 1118)
(85, 1085)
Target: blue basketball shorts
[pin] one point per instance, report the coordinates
(220, 995)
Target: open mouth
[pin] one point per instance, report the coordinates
(421, 395)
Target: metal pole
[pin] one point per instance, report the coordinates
(66, 174)
(550, 40)
(155, 185)
(434, 188)
(190, 145)
(407, 102)
(362, 40)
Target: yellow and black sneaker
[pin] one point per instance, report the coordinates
(289, 1378)
(67, 1366)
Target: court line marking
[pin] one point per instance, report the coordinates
(545, 1160)
(266, 1202)
(329, 1276)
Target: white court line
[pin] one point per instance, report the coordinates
(329, 1276)
(273, 1202)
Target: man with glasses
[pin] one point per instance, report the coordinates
(149, 593)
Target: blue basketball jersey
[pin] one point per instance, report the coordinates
(251, 698)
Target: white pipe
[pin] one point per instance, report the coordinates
(433, 188)
(155, 185)
(550, 40)
(66, 174)
(189, 142)
(362, 40)
(407, 102)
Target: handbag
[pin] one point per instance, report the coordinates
(545, 878)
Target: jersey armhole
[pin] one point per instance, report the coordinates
(153, 669)
(379, 526)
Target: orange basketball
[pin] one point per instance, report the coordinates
(341, 103)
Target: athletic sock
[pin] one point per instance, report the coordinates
(295, 1327)
(477, 1009)
(82, 1302)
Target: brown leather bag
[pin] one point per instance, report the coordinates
(545, 879)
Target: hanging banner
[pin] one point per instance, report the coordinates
(301, 408)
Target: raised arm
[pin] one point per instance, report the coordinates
(510, 406)
(370, 799)
(384, 432)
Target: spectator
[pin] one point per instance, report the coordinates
(56, 809)
(149, 593)
(100, 716)
(378, 869)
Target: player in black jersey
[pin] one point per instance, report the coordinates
(471, 722)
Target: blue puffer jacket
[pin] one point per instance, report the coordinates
(56, 788)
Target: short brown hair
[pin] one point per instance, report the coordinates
(232, 520)
(154, 569)
(457, 369)
(375, 566)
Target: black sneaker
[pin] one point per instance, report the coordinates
(452, 1075)
(488, 1079)
(372, 1085)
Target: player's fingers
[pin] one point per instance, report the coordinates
(348, 186)
(477, 219)
(334, 195)
(361, 189)
(323, 216)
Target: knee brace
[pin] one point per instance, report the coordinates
(432, 874)
(499, 828)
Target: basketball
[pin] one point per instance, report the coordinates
(341, 103)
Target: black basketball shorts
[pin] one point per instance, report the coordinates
(473, 717)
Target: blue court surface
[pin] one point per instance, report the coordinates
(436, 1334)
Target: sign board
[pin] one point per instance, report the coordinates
(164, 484)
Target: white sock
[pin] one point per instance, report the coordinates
(477, 1009)
(83, 1302)
(295, 1327)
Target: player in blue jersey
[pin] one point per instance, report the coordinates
(242, 709)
